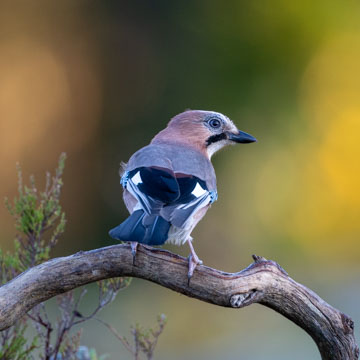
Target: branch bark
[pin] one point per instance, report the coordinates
(263, 282)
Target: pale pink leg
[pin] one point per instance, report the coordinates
(193, 260)
(134, 246)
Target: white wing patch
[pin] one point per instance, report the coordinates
(136, 179)
(198, 191)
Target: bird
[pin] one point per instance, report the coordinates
(169, 185)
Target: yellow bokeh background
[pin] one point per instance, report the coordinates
(98, 80)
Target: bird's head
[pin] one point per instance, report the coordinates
(207, 131)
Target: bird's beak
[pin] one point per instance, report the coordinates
(241, 137)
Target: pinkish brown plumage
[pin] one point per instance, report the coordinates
(190, 130)
(170, 184)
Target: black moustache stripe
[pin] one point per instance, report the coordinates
(215, 138)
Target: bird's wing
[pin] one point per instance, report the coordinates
(175, 196)
(153, 187)
(194, 195)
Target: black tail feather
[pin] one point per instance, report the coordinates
(142, 228)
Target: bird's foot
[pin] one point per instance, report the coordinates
(193, 262)
(134, 246)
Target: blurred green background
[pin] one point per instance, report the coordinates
(98, 79)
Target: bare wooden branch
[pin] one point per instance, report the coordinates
(263, 282)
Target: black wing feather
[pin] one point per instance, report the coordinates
(159, 184)
(166, 199)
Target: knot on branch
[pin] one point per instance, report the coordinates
(347, 323)
(243, 299)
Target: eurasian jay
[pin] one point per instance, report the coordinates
(170, 183)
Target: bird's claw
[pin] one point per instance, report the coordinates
(134, 246)
(193, 262)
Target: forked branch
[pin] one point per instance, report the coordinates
(263, 282)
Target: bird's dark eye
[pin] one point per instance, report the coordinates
(214, 123)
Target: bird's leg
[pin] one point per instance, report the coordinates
(134, 246)
(193, 260)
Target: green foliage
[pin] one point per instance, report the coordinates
(109, 288)
(38, 218)
(144, 339)
(14, 343)
(40, 222)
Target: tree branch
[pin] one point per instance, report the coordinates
(263, 282)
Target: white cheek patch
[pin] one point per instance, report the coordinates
(136, 179)
(198, 190)
(216, 146)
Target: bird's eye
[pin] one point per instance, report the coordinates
(215, 123)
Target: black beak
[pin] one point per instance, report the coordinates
(241, 137)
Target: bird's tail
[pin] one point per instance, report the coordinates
(142, 228)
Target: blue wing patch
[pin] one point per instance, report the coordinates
(124, 179)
